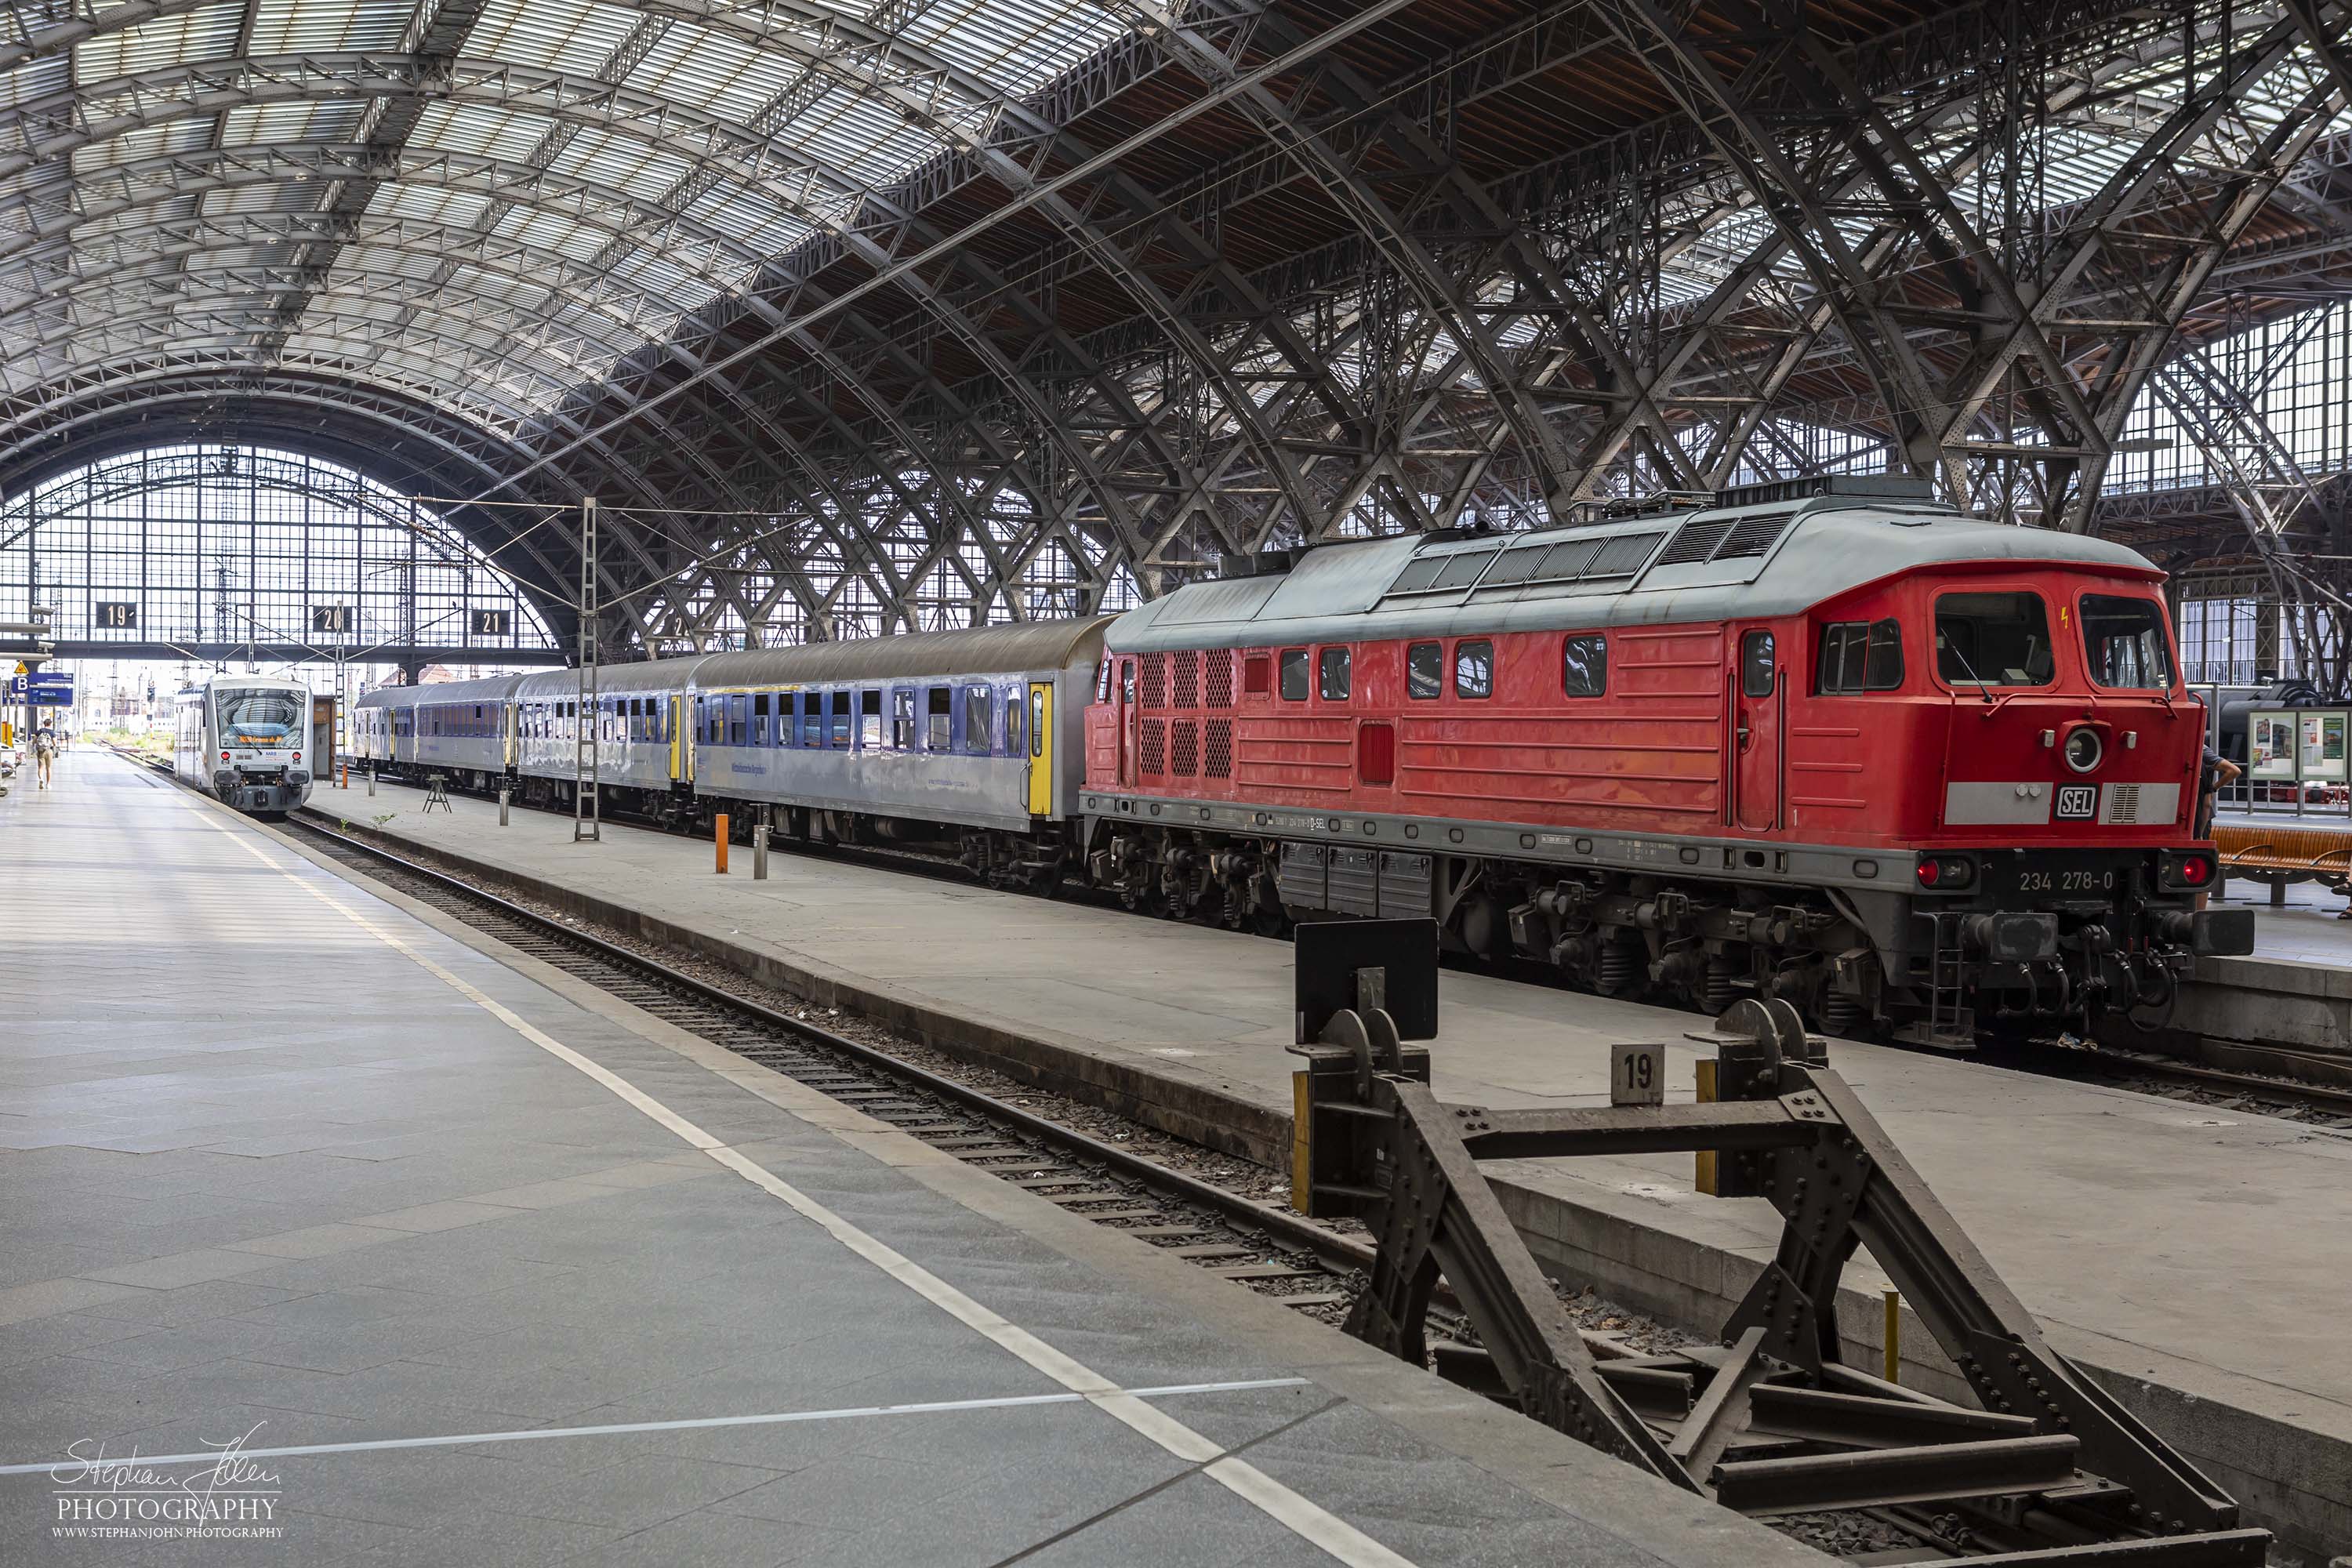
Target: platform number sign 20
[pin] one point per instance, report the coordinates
(1637, 1075)
(490, 623)
(331, 618)
(116, 617)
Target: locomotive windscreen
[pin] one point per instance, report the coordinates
(259, 718)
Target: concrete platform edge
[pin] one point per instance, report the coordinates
(2294, 1481)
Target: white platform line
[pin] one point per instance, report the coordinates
(1302, 1516)
(469, 1439)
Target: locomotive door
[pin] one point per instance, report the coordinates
(1127, 721)
(1756, 731)
(1041, 748)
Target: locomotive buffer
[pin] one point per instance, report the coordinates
(2046, 1468)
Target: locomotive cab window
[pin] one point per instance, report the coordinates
(1757, 671)
(1859, 656)
(1293, 675)
(2124, 643)
(1474, 669)
(1424, 671)
(1983, 640)
(1331, 673)
(1584, 667)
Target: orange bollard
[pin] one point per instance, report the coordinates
(720, 834)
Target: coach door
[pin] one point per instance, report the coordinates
(676, 739)
(1041, 748)
(1756, 730)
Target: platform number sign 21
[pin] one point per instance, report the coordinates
(490, 623)
(2078, 803)
(1637, 1075)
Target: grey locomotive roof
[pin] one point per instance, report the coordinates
(1019, 648)
(489, 688)
(1776, 558)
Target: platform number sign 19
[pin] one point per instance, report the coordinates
(1637, 1075)
(331, 618)
(2078, 803)
(490, 623)
(116, 617)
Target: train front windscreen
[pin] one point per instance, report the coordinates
(260, 718)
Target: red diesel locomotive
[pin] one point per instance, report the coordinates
(1828, 741)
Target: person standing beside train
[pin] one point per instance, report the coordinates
(45, 752)
(2212, 773)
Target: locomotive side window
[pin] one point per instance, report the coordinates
(1424, 671)
(2124, 643)
(1254, 682)
(1584, 667)
(1293, 675)
(1102, 681)
(1757, 670)
(1474, 669)
(1859, 656)
(1331, 672)
(1993, 639)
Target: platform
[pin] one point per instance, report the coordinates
(2196, 1259)
(286, 1163)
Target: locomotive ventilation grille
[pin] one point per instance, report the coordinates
(1218, 764)
(1152, 676)
(1154, 759)
(2122, 803)
(1185, 748)
(1220, 677)
(1186, 668)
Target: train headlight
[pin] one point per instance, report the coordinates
(2084, 749)
(2190, 868)
(1946, 873)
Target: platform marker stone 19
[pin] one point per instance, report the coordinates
(1637, 1075)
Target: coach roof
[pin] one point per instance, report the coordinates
(1019, 648)
(1725, 564)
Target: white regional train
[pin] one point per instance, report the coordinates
(244, 741)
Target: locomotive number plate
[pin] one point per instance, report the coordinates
(2031, 878)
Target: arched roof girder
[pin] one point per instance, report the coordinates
(738, 153)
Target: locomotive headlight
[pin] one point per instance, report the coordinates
(2083, 749)
(2185, 869)
(1946, 873)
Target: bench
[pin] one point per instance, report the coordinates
(2278, 856)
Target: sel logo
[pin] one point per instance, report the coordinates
(2078, 803)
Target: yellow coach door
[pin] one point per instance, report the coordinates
(1041, 748)
(676, 739)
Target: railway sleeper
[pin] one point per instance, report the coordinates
(1769, 1420)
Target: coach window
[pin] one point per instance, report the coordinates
(1983, 640)
(939, 717)
(902, 721)
(869, 721)
(1293, 675)
(1424, 671)
(1584, 667)
(1757, 666)
(735, 714)
(1474, 669)
(759, 719)
(1012, 723)
(975, 719)
(2124, 643)
(1859, 656)
(1331, 672)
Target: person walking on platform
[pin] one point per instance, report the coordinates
(45, 752)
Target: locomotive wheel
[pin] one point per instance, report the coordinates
(1719, 989)
(1616, 972)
